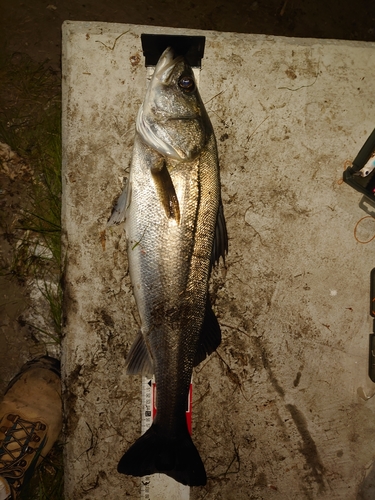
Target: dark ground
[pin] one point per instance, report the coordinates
(34, 26)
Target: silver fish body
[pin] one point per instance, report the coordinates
(175, 230)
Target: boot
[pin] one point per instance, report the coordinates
(30, 422)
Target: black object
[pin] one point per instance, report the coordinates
(371, 358)
(371, 363)
(365, 185)
(191, 47)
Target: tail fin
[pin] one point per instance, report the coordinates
(155, 452)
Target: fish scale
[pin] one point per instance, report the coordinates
(185, 297)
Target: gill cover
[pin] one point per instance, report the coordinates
(172, 119)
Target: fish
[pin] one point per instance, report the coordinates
(176, 233)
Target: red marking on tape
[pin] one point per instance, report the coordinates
(189, 405)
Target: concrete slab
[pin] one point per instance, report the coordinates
(284, 409)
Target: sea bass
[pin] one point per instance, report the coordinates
(176, 232)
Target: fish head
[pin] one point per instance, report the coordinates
(172, 119)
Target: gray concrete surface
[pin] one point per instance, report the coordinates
(284, 409)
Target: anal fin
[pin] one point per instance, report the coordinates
(139, 360)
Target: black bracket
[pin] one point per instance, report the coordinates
(371, 359)
(191, 47)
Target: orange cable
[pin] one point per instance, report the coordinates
(356, 226)
(347, 163)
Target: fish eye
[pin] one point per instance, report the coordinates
(186, 83)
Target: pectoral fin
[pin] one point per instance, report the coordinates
(138, 360)
(210, 336)
(166, 191)
(220, 247)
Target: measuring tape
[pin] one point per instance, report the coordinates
(160, 486)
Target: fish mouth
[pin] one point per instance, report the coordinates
(166, 64)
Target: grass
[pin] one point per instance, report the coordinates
(30, 123)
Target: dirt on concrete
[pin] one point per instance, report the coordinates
(276, 408)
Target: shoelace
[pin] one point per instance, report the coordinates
(15, 448)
